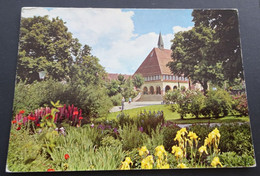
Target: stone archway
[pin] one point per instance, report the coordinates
(145, 90)
(158, 90)
(167, 88)
(151, 90)
(174, 87)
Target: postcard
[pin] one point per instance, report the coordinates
(129, 89)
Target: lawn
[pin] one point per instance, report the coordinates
(175, 117)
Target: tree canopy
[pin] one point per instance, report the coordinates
(228, 48)
(194, 57)
(210, 51)
(45, 45)
(138, 80)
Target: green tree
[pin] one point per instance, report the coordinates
(112, 88)
(228, 48)
(193, 56)
(45, 45)
(87, 70)
(138, 80)
(121, 79)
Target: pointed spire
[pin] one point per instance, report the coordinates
(160, 42)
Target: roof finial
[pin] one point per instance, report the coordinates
(160, 42)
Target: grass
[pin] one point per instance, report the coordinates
(175, 117)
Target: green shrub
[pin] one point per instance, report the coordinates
(201, 130)
(130, 137)
(218, 103)
(25, 153)
(169, 134)
(236, 137)
(29, 97)
(145, 121)
(197, 103)
(85, 154)
(231, 159)
(156, 139)
(116, 99)
(110, 141)
(93, 100)
(180, 101)
(149, 121)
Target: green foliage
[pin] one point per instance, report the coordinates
(218, 103)
(110, 141)
(237, 138)
(180, 101)
(169, 134)
(193, 56)
(87, 71)
(228, 49)
(156, 139)
(39, 94)
(113, 88)
(149, 121)
(197, 103)
(121, 79)
(45, 45)
(93, 100)
(84, 153)
(231, 159)
(127, 89)
(116, 99)
(138, 80)
(145, 121)
(130, 136)
(202, 131)
(25, 153)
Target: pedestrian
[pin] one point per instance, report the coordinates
(129, 100)
(123, 103)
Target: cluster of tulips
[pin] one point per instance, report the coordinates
(185, 141)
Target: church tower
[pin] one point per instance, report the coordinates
(160, 42)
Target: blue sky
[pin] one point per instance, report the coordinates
(156, 20)
(120, 38)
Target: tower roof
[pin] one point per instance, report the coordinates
(155, 63)
(160, 42)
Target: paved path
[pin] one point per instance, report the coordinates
(135, 105)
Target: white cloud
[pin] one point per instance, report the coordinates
(177, 29)
(110, 33)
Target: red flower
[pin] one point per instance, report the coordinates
(50, 170)
(80, 118)
(19, 123)
(75, 113)
(21, 112)
(66, 156)
(38, 125)
(31, 118)
(18, 128)
(50, 116)
(14, 121)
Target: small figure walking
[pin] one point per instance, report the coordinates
(129, 100)
(123, 103)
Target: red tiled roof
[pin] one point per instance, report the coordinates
(155, 63)
(114, 76)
